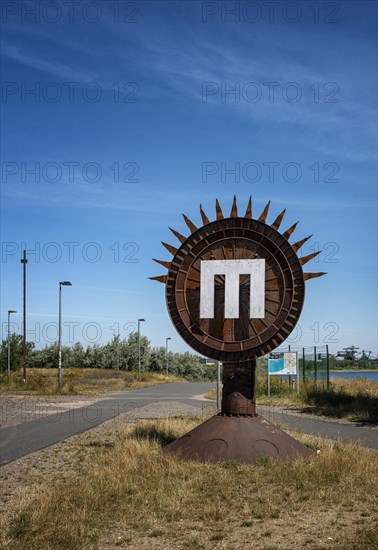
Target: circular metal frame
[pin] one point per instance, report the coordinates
(243, 339)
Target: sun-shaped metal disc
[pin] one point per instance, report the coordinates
(246, 336)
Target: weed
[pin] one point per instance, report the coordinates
(217, 536)
(156, 533)
(246, 523)
(230, 464)
(263, 461)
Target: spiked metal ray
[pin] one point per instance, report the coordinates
(289, 231)
(277, 222)
(264, 213)
(308, 276)
(190, 224)
(296, 246)
(205, 219)
(163, 263)
(170, 248)
(180, 237)
(248, 212)
(306, 259)
(234, 214)
(159, 278)
(218, 210)
(234, 209)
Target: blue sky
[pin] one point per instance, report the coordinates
(133, 121)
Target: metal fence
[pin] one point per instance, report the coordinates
(313, 363)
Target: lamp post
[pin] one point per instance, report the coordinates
(139, 364)
(166, 355)
(9, 314)
(24, 261)
(62, 283)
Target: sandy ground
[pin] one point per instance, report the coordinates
(16, 409)
(74, 453)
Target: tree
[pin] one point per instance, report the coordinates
(116, 354)
(73, 357)
(157, 361)
(132, 352)
(45, 358)
(16, 352)
(189, 366)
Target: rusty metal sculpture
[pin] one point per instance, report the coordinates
(235, 321)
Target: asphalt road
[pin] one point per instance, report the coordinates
(28, 437)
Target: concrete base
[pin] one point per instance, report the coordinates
(245, 439)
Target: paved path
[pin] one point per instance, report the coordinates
(293, 419)
(22, 439)
(28, 437)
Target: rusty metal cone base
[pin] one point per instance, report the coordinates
(245, 439)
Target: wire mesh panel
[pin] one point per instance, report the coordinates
(313, 362)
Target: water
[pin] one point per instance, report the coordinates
(370, 375)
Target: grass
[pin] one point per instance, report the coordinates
(79, 381)
(132, 492)
(355, 399)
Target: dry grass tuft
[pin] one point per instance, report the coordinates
(355, 399)
(147, 495)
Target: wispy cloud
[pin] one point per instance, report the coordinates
(53, 68)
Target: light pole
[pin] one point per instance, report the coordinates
(62, 283)
(24, 261)
(9, 314)
(166, 355)
(139, 365)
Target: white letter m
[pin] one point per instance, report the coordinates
(232, 269)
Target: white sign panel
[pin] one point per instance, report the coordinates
(283, 363)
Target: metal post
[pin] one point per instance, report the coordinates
(139, 362)
(62, 283)
(9, 314)
(118, 343)
(8, 343)
(60, 337)
(218, 387)
(327, 363)
(24, 262)
(303, 365)
(315, 366)
(139, 365)
(166, 355)
(239, 392)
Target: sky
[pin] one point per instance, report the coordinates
(119, 116)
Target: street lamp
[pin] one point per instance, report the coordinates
(9, 314)
(166, 354)
(139, 365)
(62, 283)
